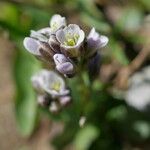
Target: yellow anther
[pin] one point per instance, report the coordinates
(76, 37)
(70, 42)
(56, 86)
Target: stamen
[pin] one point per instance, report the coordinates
(76, 37)
(56, 86)
(70, 42)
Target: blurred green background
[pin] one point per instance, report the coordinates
(112, 123)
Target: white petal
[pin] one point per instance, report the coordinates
(81, 37)
(49, 79)
(53, 107)
(32, 45)
(91, 34)
(60, 36)
(57, 20)
(38, 36)
(46, 31)
(64, 92)
(104, 40)
(72, 29)
(96, 41)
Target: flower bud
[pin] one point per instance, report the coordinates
(63, 65)
(64, 100)
(59, 59)
(95, 41)
(65, 68)
(44, 100)
(94, 66)
(54, 107)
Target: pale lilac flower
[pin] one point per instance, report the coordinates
(71, 39)
(50, 82)
(96, 41)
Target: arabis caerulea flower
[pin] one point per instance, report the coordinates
(95, 41)
(50, 82)
(71, 39)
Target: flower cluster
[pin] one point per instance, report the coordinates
(51, 89)
(65, 47)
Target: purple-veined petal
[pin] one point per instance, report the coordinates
(32, 45)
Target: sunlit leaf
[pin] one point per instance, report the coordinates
(117, 113)
(143, 128)
(85, 137)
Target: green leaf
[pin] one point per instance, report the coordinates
(117, 113)
(25, 104)
(85, 137)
